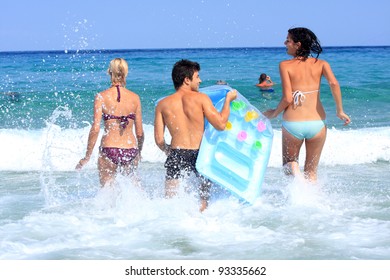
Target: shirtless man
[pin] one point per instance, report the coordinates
(184, 113)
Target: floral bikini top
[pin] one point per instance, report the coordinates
(124, 120)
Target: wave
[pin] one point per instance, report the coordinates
(56, 149)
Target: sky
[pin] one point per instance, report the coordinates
(30, 25)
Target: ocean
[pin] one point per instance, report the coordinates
(49, 211)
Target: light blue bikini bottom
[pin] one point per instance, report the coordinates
(305, 129)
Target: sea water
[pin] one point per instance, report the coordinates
(50, 211)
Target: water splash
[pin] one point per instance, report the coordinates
(50, 186)
(77, 35)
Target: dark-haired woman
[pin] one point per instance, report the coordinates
(304, 119)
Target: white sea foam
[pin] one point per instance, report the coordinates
(57, 149)
(126, 223)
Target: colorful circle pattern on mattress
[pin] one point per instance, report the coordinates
(237, 157)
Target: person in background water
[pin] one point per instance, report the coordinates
(120, 108)
(265, 82)
(304, 119)
(184, 113)
(221, 82)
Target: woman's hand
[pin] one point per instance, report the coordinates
(81, 163)
(137, 160)
(344, 117)
(270, 113)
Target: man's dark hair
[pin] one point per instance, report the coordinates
(262, 78)
(183, 69)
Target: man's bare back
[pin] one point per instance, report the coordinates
(183, 116)
(183, 113)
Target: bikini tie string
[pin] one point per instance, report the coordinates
(119, 94)
(124, 121)
(299, 97)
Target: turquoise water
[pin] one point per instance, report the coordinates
(45, 80)
(49, 211)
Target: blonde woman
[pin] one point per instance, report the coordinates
(304, 119)
(120, 109)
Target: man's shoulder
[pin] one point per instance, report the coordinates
(197, 97)
(166, 100)
(202, 94)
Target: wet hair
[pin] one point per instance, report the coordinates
(309, 42)
(183, 69)
(118, 71)
(262, 78)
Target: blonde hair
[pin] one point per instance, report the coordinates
(118, 70)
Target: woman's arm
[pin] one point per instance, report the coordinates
(336, 92)
(93, 132)
(287, 94)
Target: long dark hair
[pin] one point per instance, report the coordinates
(309, 42)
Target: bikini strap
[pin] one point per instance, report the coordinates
(119, 94)
(312, 91)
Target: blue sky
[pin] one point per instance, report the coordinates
(132, 24)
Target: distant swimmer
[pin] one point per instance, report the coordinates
(11, 96)
(221, 82)
(265, 83)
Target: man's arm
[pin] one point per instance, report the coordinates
(159, 128)
(218, 119)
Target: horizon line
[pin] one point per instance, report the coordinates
(176, 48)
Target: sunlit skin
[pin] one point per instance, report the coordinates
(266, 83)
(115, 136)
(183, 113)
(304, 74)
